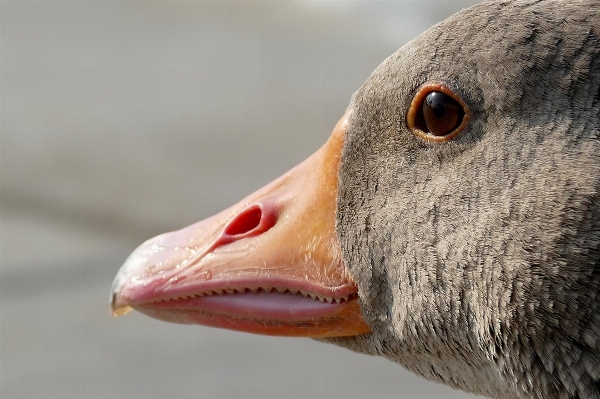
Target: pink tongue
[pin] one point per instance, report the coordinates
(262, 305)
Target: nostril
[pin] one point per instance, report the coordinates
(245, 222)
(250, 222)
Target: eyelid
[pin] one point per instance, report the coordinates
(414, 112)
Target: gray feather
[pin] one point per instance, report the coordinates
(477, 259)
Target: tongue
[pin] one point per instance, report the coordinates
(261, 305)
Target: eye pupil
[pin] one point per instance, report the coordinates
(441, 113)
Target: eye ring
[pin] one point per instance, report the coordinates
(415, 119)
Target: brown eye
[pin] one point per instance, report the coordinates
(436, 113)
(442, 114)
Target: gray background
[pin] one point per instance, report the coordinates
(122, 120)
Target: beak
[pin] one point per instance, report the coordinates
(270, 264)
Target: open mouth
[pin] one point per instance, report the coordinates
(273, 302)
(248, 296)
(264, 310)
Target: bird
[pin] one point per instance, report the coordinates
(451, 222)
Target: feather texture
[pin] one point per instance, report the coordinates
(477, 259)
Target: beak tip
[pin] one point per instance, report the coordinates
(117, 307)
(122, 311)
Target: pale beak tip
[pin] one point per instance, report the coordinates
(117, 308)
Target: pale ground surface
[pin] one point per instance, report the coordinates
(120, 121)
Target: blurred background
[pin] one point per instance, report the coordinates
(123, 120)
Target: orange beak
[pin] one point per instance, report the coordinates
(270, 264)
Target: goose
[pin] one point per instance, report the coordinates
(451, 222)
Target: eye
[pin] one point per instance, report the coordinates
(436, 113)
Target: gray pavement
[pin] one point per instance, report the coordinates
(122, 120)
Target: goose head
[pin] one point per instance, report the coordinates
(451, 223)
